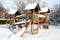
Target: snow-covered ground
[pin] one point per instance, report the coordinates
(5, 33)
(53, 33)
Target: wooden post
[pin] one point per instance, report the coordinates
(34, 31)
(14, 18)
(38, 21)
(26, 16)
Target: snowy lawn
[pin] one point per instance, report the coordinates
(49, 34)
(5, 33)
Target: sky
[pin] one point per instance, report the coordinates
(9, 4)
(51, 3)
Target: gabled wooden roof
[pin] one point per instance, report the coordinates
(12, 11)
(45, 9)
(31, 6)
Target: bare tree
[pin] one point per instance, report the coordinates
(44, 4)
(22, 3)
(1, 6)
(33, 1)
(55, 15)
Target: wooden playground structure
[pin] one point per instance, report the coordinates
(35, 16)
(44, 20)
(39, 17)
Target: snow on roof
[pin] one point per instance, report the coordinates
(20, 15)
(31, 6)
(12, 11)
(45, 9)
(41, 16)
(20, 22)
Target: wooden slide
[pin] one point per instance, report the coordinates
(24, 29)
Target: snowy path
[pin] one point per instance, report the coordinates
(50, 34)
